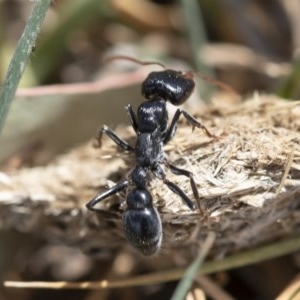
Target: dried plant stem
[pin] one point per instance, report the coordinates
(231, 262)
(292, 291)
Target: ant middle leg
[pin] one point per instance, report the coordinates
(115, 189)
(178, 171)
(159, 173)
(173, 127)
(178, 191)
(121, 143)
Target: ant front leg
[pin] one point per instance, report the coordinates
(173, 127)
(115, 189)
(132, 117)
(121, 143)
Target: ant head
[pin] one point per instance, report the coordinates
(170, 85)
(176, 86)
(142, 222)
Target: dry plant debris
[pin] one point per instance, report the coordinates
(248, 178)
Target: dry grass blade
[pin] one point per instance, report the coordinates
(211, 289)
(286, 170)
(231, 262)
(292, 291)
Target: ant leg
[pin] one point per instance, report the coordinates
(115, 189)
(159, 173)
(121, 143)
(173, 127)
(132, 117)
(178, 191)
(178, 171)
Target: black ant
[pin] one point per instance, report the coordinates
(141, 221)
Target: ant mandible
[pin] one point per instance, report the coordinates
(141, 221)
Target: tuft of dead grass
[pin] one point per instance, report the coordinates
(248, 178)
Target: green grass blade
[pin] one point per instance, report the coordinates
(197, 38)
(19, 60)
(290, 88)
(190, 274)
(75, 15)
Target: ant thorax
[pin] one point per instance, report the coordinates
(152, 115)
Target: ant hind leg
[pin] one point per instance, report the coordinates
(115, 189)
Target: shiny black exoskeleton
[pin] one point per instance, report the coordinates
(141, 221)
(169, 85)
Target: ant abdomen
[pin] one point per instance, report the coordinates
(143, 230)
(169, 85)
(142, 224)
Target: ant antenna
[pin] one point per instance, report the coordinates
(187, 74)
(220, 84)
(143, 63)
